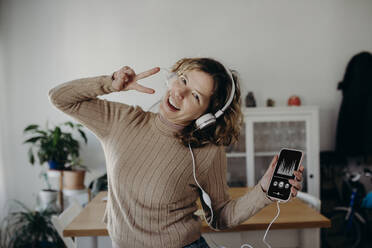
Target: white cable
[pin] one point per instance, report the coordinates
(203, 192)
(246, 245)
(267, 229)
(193, 166)
(277, 215)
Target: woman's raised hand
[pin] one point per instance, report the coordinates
(126, 79)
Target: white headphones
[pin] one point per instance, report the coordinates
(209, 119)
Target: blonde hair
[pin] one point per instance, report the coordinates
(226, 130)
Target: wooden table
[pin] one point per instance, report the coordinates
(296, 218)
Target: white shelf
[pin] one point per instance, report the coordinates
(235, 154)
(267, 154)
(257, 154)
(279, 111)
(71, 192)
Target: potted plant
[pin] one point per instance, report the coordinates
(74, 174)
(29, 229)
(47, 197)
(53, 145)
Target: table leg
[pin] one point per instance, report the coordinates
(87, 242)
(310, 238)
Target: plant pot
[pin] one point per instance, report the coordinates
(53, 165)
(48, 199)
(74, 179)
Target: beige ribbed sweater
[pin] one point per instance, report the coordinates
(151, 190)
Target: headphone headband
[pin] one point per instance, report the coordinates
(209, 118)
(232, 93)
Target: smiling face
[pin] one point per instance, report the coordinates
(187, 98)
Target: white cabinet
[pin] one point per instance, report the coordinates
(268, 129)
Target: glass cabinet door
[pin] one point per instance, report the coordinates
(269, 137)
(264, 133)
(236, 162)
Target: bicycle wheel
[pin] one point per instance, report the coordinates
(343, 233)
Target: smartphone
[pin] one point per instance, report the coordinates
(289, 161)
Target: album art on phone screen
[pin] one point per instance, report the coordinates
(287, 166)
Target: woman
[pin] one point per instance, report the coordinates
(152, 193)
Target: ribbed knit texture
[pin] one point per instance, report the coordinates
(151, 190)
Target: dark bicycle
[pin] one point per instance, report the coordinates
(349, 222)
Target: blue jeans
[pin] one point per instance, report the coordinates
(200, 243)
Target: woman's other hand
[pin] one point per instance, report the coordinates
(296, 183)
(126, 79)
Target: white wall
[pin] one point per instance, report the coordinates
(3, 115)
(280, 48)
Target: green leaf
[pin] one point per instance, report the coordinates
(45, 155)
(56, 135)
(31, 156)
(69, 123)
(30, 127)
(33, 139)
(41, 132)
(57, 130)
(83, 135)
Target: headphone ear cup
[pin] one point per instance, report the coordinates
(205, 121)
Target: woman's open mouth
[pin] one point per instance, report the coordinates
(171, 106)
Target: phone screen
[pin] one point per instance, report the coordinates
(288, 161)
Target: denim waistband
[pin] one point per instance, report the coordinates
(200, 243)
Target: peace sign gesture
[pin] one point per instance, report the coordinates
(126, 79)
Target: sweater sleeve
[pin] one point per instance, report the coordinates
(228, 212)
(78, 99)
